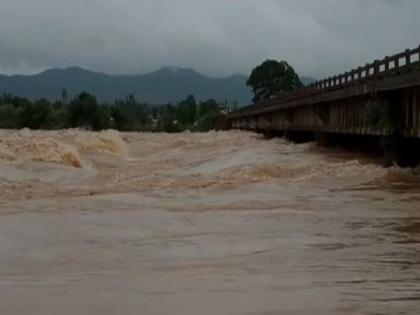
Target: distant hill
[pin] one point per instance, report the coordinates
(168, 84)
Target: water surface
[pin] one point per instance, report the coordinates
(216, 223)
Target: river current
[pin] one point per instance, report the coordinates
(212, 223)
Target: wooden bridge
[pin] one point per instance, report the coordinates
(380, 100)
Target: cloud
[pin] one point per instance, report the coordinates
(217, 37)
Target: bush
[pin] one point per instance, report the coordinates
(127, 115)
(9, 117)
(84, 111)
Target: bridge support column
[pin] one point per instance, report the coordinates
(389, 145)
(270, 134)
(288, 135)
(324, 139)
(401, 151)
(408, 153)
(299, 136)
(223, 122)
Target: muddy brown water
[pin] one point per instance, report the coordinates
(215, 223)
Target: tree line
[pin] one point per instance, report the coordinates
(128, 114)
(268, 80)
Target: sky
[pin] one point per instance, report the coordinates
(216, 37)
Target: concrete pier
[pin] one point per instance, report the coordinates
(380, 101)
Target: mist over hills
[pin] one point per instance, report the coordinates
(168, 84)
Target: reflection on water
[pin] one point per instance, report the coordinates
(216, 223)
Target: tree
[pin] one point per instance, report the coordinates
(207, 115)
(36, 115)
(186, 111)
(207, 107)
(84, 111)
(167, 119)
(273, 78)
(9, 116)
(130, 115)
(64, 96)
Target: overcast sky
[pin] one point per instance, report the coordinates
(216, 37)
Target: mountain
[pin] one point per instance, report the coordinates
(168, 84)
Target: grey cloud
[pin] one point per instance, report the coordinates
(216, 37)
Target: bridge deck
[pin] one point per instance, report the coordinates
(341, 103)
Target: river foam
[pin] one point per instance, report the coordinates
(24, 145)
(127, 162)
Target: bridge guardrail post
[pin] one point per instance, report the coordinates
(340, 80)
(353, 75)
(418, 53)
(397, 64)
(408, 59)
(376, 68)
(376, 73)
(359, 73)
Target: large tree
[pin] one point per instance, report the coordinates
(84, 111)
(273, 78)
(186, 112)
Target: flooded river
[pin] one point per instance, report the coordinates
(191, 224)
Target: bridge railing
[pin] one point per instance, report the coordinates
(389, 66)
(379, 69)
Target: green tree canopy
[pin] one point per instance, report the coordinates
(36, 115)
(186, 112)
(209, 106)
(272, 78)
(207, 115)
(84, 111)
(126, 114)
(129, 114)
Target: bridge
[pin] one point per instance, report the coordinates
(378, 103)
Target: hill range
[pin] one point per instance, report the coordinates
(168, 84)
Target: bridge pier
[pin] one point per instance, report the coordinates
(325, 139)
(270, 134)
(389, 145)
(299, 136)
(400, 151)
